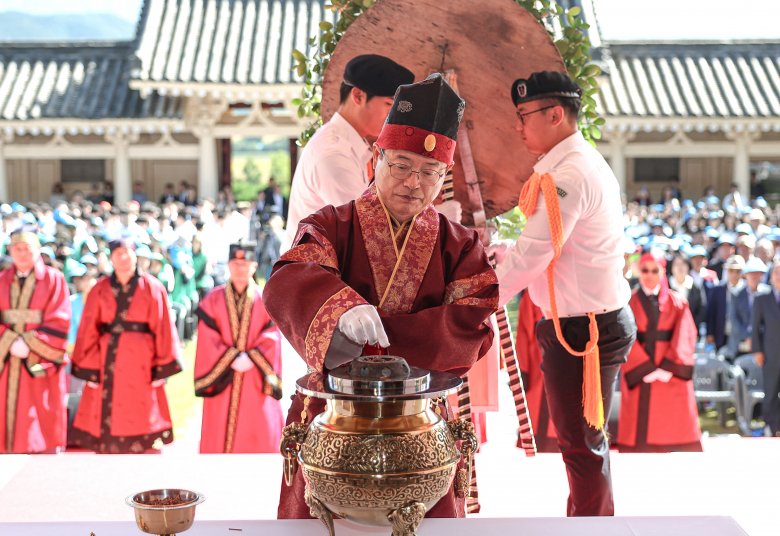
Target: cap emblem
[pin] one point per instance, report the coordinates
(522, 90)
(404, 106)
(430, 142)
(240, 254)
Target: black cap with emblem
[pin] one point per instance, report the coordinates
(243, 251)
(542, 85)
(376, 75)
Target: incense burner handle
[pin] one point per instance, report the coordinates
(463, 431)
(293, 436)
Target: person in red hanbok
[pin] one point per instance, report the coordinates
(658, 408)
(387, 270)
(529, 360)
(125, 348)
(238, 363)
(35, 309)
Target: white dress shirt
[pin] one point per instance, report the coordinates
(589, 273)
(333, 170)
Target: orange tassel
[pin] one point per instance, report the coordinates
(592, 403)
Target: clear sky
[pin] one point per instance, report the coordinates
(619, 19)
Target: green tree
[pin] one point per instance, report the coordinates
(252, 171)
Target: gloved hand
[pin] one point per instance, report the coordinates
(158, 383)
(451, 209)
(500, 250)
(19, 348)
(659, 375)
(242, 363)
(93, 385)
(362, 325)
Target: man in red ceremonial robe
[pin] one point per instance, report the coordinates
(237, 364)
(529, 360)
(387, 269)
(125, 348)
(35, 309)
(658, 408)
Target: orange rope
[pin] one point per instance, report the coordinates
(591, 382)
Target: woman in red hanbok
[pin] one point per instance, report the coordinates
(658, 409)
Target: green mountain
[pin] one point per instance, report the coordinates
(16, 26)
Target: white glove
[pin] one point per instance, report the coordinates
(158, 383)
(451, 209)
(19, 348)
(93, 385)
(242, 363)
(660, 375)
(500, 250)
(362, 325)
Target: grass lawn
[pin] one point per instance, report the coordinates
(183, 404)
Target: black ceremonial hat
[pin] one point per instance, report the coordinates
(542, 85)
(244, 251)
(376, 75)
(424, 119)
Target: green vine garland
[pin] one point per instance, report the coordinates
(573, 44)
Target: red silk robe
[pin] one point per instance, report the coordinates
(529, 361)
(32, 390)
(657, 416)
(126, 340)
(239, 413)
(436, 310)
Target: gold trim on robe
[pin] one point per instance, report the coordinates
(42, 349)
(325, 323)
(403, 274)
(22, 316)
(459, 292)
(320, 251)
(6, 340)
(216, 372)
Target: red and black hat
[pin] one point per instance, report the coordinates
(243, 251)
(424, 119)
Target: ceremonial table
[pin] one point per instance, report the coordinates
(584, 526)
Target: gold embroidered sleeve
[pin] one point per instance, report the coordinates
(325, 323)
(42, 349)
(461, 292)
(224, 362)
(319, 250)
(6, 340)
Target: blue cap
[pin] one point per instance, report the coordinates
(714, 214)
(725, 238)
(46, 250)
(643, 241)
(78, 270)
(29, 218)
(633, 232)
(686, 238)
(754, 264)
(658, 222)
(5, 208)
(773, 237)
(744, 228)
(63, 218)
(701, 204)
(713, 200)
(47, 239)
(91, 244)
(687, 203)
(698, 251)
(761, 202)
(712, 233)
(143, 251)
(745, 209)
(88, 259)
(16, 207)
(659, 207)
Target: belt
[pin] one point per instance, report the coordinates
(121, 326)
(656, 336)
(548, 314)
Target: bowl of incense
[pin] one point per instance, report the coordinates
(165, 512)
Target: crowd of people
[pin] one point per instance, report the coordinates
(181, 247)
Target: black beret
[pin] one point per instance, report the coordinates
(542, 85)
(376, 75)
(122, 242)
(244, 251)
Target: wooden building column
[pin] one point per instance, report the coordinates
(123, 178)
(208, 174)
(617, 159)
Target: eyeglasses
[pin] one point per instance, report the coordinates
(402, 172)
(521, 116)
(649, 271)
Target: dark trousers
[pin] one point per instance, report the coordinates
(585, 449)
(770, 407)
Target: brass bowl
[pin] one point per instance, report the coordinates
(164, 520)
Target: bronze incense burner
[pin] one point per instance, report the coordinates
(381, 454)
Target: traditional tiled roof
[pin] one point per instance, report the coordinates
(74, 80)
(736, 79)
(225, 41)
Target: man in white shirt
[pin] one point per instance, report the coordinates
(588, 278)
(334, 166)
